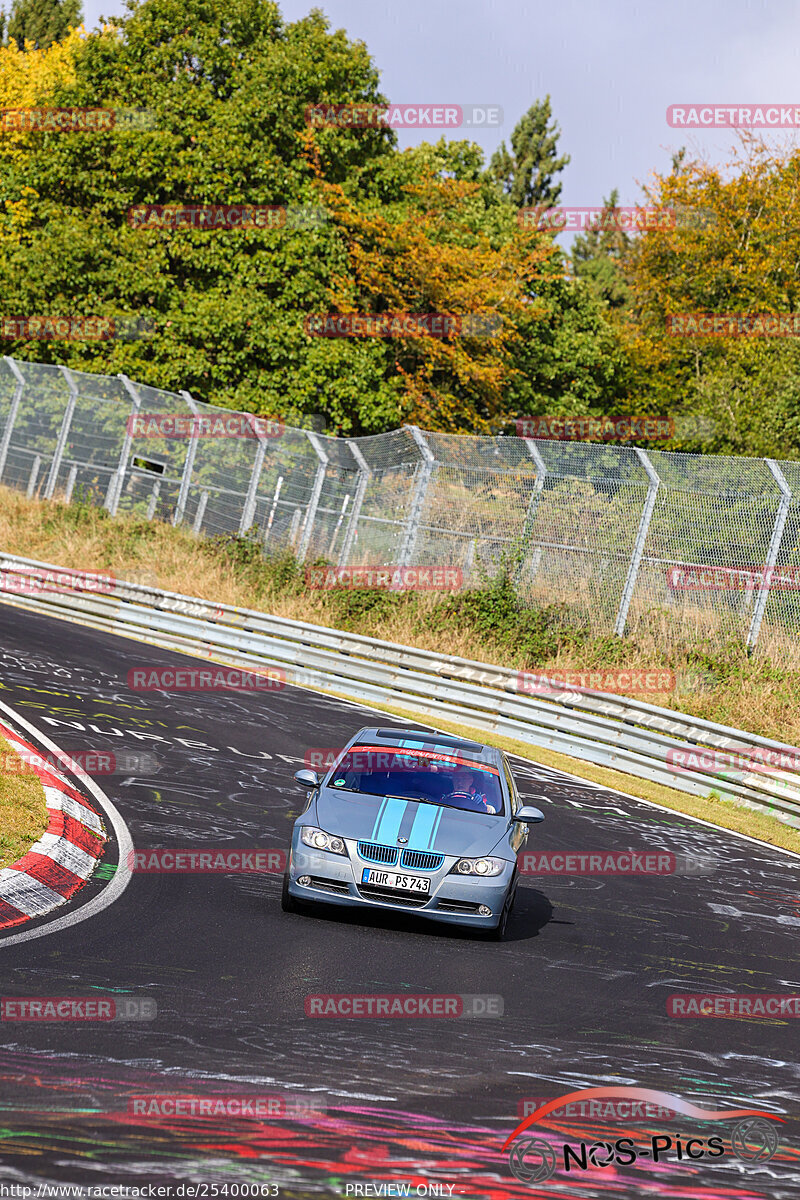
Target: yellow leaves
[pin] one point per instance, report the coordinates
(21, 211)
(28, 77)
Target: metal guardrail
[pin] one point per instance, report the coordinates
(612, 731)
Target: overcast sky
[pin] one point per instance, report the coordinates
(611, 70)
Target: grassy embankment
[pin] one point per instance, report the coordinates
(23, 816)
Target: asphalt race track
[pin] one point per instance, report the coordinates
(584, 975)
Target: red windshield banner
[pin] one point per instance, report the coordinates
(394, 752)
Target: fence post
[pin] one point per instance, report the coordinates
(73, 475)
(641, 538)
(249, 509)
(63, 434)
(772, 552)
(200, 512)
(34, 475)
(12, 412)
(316, 492)
(424, 472)
(153, 501)
(114, 493)
(273, 510)
(533, 505)
(364, 474)
(188, 466)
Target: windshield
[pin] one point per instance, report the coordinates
(446, 779)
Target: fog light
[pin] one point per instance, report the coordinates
(304, 880)
(483, 911)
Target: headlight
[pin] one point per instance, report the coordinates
(318, 839)
(478, 866)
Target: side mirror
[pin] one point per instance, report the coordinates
(528, 815)
(307, 778)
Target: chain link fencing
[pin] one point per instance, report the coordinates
(711, 543)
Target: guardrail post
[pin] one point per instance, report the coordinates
(188, 466)
(12, 412)
(316, 492)
(114, 492)
(249, 509)
(772, 552)
(364, 475)
(63, 434)
(641, 538)
(533, 505)
(424, 472)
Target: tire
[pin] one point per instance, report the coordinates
(498, 934)
(288, 902)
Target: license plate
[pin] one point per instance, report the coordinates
(391, 879)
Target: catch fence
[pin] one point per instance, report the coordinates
(607, 530)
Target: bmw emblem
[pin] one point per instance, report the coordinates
(402, 841)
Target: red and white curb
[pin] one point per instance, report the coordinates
(59, 864)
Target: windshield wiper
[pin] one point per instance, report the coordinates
(415, 799)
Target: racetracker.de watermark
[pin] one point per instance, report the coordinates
(420, 579)
(401, 1004)
(733, 579)
(77, 1008)
(222, 861)
(733, 116)
(735, 758)
(227, 216)
(629, 220)
(619, 680)
(381, 758)
(614, 862)
(756, 1004)
(599, 1110)
(736, 324)
(50, 328)
(404, 116)
(198, 1107)
(34, 580)
(82, 762)
(220, 425)
(205, 679)
(595, 429)
(402, 325)
(75, 120)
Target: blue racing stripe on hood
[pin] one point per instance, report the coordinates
(425, 827)
(389, 820)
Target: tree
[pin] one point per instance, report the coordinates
(734, 248)
(598, 257)
(527, 175)
(42, 22)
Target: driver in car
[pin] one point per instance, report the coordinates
(466, 792)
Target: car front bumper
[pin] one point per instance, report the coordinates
(454, 899)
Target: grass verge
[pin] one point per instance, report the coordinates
(23, 814)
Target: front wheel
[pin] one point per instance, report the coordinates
(288, 902)
(498, 934)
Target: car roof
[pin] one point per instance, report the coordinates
(427, 739)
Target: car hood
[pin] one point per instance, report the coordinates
(384, 819)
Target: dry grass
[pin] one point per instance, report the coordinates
(23, 815)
